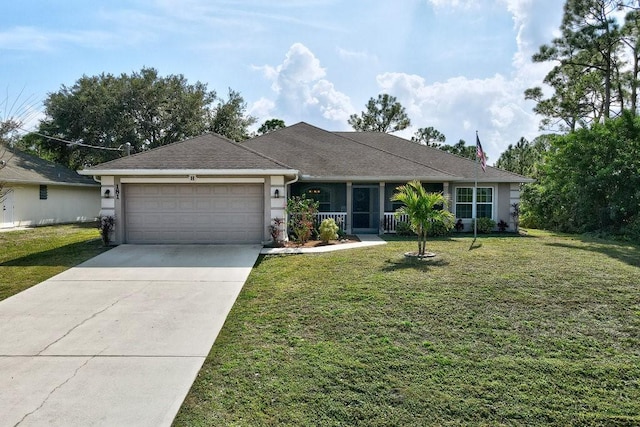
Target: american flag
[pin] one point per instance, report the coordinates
(480, 154)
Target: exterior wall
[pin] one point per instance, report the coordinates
(274, 207)
(277, 203)
(514, 197)
(64, 204)
(505, 194)
(504, 204)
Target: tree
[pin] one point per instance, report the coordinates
(385, 114)
(524, 157)
(229, 118)
(107, 111)
(429, 136)
(425, 210)
(270, 126)
(461, 149)
(588, 70)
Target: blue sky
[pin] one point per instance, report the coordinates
(457, 65)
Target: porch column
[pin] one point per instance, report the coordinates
(381, 210)
(349, 206)
(447, 195)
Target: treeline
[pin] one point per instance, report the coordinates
(586, 181)
(142, 109)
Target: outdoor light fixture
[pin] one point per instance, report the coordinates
(107, 193)
(276, 194)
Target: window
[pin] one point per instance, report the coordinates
(464, 202)
(322, 196)
(43, 192)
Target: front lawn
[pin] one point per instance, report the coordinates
(28, 257)
(537, 330)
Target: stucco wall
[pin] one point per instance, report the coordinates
(63, 205)
(504, 202)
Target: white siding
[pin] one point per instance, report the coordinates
(63, 205)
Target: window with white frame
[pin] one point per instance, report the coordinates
(464, 202)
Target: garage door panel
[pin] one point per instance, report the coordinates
(194, 213)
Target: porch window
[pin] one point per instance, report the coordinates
(322, 196)
(464, 202)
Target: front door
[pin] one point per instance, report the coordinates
(366, 209)
(6, 221)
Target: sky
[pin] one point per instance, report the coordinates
(460, 66)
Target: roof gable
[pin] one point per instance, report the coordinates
(204, 152)
(24, 168)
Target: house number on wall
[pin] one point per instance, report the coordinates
(192, 177)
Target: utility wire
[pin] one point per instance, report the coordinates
(80, 144)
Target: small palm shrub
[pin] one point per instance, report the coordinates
(328, 230)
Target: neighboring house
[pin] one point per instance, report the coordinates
(39, 192)
(209, 189)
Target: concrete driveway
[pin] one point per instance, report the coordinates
(118, 340)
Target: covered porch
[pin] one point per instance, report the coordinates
(359, 207)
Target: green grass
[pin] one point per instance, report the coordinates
(537, 330)
(28, 257)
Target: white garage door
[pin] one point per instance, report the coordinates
(194, 213)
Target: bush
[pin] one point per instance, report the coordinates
(631, 230)
(328, 230)
(439, 229)
(404, 229)
(502, 226)
(485, 225)
(106, 226)
(301, 217)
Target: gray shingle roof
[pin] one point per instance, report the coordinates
(207, 151)
(23, 168)
(318, 153)
(432, 157)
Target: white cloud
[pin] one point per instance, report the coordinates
(352, 55)
(457, 107)
(263, 107)
(454, 4)
(302, 91)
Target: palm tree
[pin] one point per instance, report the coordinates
(424, 211)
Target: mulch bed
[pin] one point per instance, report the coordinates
(316, 243)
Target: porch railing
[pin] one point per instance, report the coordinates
(339, 217)
(391, 221)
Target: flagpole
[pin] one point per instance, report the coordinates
(475, 195)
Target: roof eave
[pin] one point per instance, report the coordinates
(517, 180)
(45, 182)
(342, 178)
(172, 172)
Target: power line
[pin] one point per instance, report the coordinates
(80, 144)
